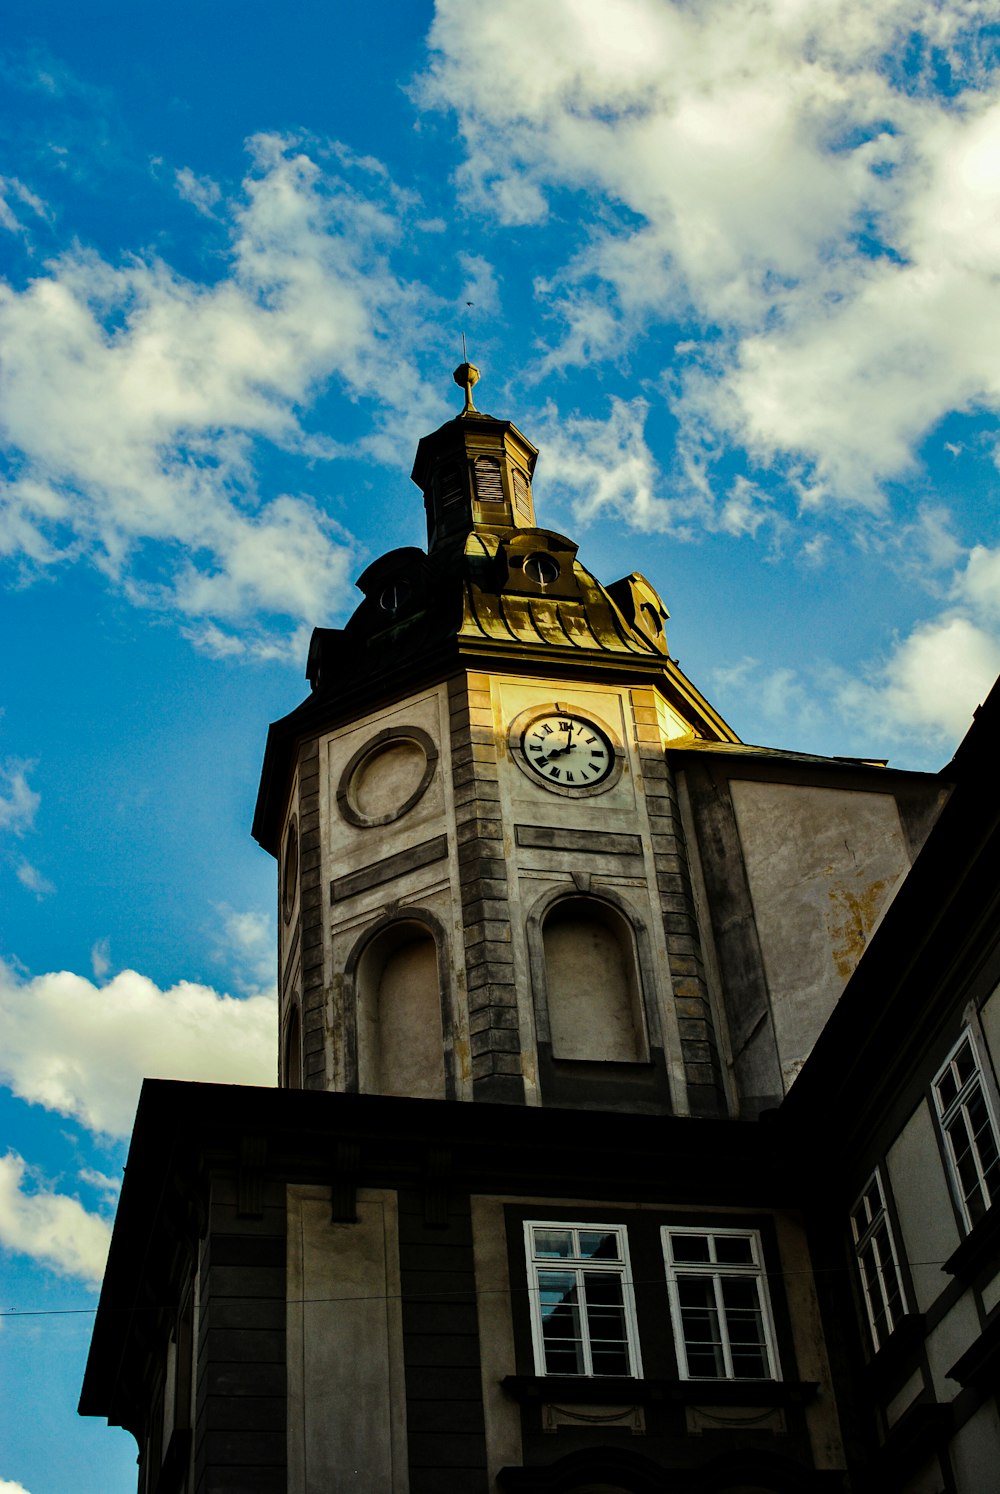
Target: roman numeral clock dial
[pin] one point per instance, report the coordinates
(565, 750)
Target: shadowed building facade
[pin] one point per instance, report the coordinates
(626, 1073)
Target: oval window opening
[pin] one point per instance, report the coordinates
(541, 569)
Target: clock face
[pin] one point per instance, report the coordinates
(567, 751)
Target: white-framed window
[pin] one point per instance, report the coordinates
(969, 1130)
(878, 1263)
(718, 1300)
(582, 1307)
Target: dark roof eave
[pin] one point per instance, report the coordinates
(323, 710)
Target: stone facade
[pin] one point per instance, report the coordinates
(595, 1026)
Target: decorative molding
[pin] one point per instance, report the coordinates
(382, 739)
(389, 868)
(560, 838)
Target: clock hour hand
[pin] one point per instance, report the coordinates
(561, 751)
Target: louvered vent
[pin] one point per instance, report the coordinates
(522, 494)
(450, 488)
(489, 487)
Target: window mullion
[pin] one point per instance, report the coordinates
(883, 1291)
(581, 1293)
(720, 1307)
(973, 1141)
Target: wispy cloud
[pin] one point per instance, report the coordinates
(100, 958)
(245, 944)
(30, 877)
(15, 200)
(604, 467)
(917, 695)
(18, 800)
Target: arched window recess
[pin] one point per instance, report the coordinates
(594, 987)
(398, 1009)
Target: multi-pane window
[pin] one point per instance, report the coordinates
(969, 1131)
(885, 1302)
(583, 1316)
(718, 1299)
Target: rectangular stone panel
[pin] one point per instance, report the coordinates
(389, 868)
(559, 838)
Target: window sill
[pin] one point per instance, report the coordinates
(980, 1246)
(899, 1349)
(980, 1364)
(605, 1389)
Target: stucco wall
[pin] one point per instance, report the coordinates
(346, 1394)
(822, 865)
(923, 1204)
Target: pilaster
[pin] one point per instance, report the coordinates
(485, 901)
(311, 916)
(699, 1047)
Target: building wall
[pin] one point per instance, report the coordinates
(934, 1410)
(346, 1394)
(421, 811)
(794, 865)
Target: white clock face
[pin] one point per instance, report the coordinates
(567, 751)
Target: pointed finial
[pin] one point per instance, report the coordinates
(466, 376)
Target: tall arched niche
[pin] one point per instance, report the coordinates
(597, 1029)
(593, 989)
(398, 1000)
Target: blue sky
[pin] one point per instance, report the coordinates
(732, 268)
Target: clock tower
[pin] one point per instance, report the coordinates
(552, 940)
(485, 887)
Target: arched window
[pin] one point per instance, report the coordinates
(400, 1036)
(293, 1049)
(592, 984)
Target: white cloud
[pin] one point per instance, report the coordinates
(51, 1227)
(931, 683)
(82, 1049)
(918, 696)
(132, 397)
(823, 217)
(18, 800)
(7, 1487)
(980, 584)
(605, 466)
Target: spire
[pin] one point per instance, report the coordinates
(466, 376)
